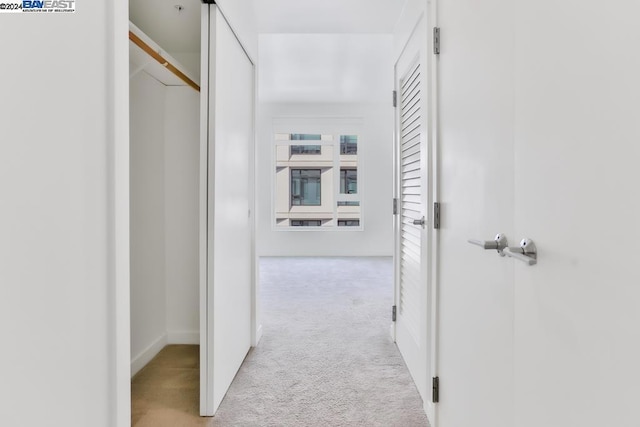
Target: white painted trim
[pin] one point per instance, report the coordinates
(119, 322)
(431, 408)
(206, 389)
(145, 356)
(258, 336)
(183, 337)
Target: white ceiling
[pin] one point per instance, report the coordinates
(332, 68)
(327, 16)
(309, 51)
(174, 31)
(180, 31)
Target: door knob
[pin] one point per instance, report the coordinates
(499, 243)
(420, 221)
(526, 252)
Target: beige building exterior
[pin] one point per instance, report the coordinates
(316, 181)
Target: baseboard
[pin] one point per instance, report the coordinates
(183, 337)
(258, 336)
(430, 410)
(147, 354)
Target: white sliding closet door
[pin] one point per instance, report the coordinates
(227, 145)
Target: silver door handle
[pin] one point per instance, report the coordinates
(499, 243)
(526, 252)
(420, 221)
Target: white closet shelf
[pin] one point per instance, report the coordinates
(145, 54)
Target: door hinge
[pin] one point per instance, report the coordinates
(435, 389)
(395, 206)
(436, 40)
(393, 313)
(436, 215)
(395, 98)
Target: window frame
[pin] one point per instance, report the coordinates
(329, 129)
(291, 196)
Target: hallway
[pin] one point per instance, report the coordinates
(326, 357)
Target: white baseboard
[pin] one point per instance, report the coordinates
(430, 410)
(183, 337)
(258, 336)
(147, 354)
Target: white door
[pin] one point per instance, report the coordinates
(576, 182)
(227, 145)
(413, 194)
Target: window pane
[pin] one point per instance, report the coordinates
(305, 149)
(348, 223)
(305, 187)
(306, 223)
(348, 181)
(305, 137)
(348, 144)
(348, 203)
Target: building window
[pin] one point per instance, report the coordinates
(305, 149)
(348, 181)
(305, 137)
(348, 223)
(348, 144)
(306, 223)
(315, 181)
(305, 187)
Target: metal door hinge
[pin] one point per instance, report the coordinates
(435, 389)
(395, 98)
(395, 206)
(436, 215)
(436, 40)
(393, 313)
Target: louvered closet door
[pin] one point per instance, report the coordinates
(410, 201)
(411, 191)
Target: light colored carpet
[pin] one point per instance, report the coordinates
(325, 359)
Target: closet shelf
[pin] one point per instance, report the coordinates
(137, 37)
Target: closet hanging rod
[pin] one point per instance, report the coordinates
(155, 55)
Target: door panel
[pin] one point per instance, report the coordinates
(412, 190)
(476, 113)
(576, 177)
(229, 249)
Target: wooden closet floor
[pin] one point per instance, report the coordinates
(166, 391)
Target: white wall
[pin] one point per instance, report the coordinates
(59, 273)
(148, 281)
(164, 217)
(182, 136)
(374, 154)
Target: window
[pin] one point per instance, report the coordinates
(305, 149)
(348, 181)
(316, 171)
(348, 223)
(305, 137)
(305, 187)
(348, 144)
(306, 223)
